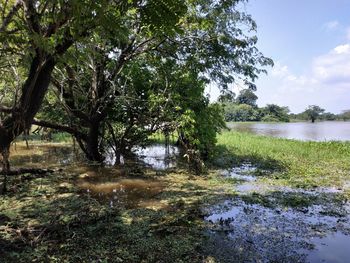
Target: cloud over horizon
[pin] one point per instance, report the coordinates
(325, 82)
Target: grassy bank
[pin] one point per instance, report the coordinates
(292, 162)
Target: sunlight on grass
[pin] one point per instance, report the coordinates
(295, 163)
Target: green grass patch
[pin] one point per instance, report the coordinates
(291, 162)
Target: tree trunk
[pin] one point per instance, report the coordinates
(33, 92)
(5, 154)
(117, 157)
(92, 143)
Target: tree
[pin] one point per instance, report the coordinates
(273, 112)
(241, 112)
(198, 41)
(313, 112)
(345, 115)
(166, 40)
(247, 96)
(328, 116)
(92, 78)
(227, 96)
(39, 33)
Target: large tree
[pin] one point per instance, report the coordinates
(247, 96)
(313, 112)
(92, 78)
(273, 112)
(38, 33)
(206, 40)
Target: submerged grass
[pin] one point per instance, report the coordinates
(295, 163)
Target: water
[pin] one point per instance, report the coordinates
(242, 232)
(242, 173)
(276, 229)
(158, 156)
(307, 131)
(332, 248)
(123, 186)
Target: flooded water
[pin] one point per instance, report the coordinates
(268, 223)
(263, 223)
(319, 131)
(123, 186)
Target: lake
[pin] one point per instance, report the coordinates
(306, 131)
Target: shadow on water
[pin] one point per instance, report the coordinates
(37, 155)
(121, 186)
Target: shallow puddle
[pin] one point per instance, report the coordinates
(332, 248)
(243, 172)
(265, 229)
(39, 155)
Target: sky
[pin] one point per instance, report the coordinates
(309, 42)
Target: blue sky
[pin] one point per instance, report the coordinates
(309, 41)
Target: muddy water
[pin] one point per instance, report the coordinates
(263, 224)
(39, 155)
(123, 186)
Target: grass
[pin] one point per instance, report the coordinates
(159, 137)
(47, 219)
(55, 137)
(291, 162)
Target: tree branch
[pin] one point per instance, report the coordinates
(59, 127)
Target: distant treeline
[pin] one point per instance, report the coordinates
(244, 108)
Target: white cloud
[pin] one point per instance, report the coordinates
(279, 70)
(332, 25)
(334, 67)
(326, 83)
(342, 49)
